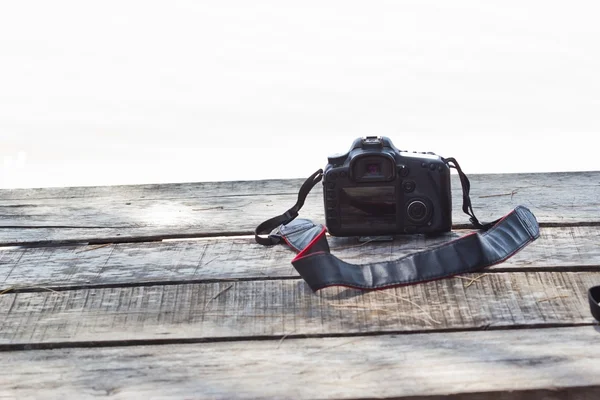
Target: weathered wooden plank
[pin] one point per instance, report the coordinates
(547, 364)
(169, 191)
(160, 191)
(283, 307)
(241, 258)
(164, 211)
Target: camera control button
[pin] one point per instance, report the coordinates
(424, 164)
(331, 185)
(403, 170)
(343, 174)
(417, 212)
(409, 186)
(432, 167)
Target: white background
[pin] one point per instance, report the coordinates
(132, 91)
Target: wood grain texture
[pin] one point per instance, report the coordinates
(169, 191)
(241, 258)
(288, 307)
(547, 364)
(123, 213)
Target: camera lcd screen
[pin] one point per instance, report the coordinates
(372, 207)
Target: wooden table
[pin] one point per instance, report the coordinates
(158, 291)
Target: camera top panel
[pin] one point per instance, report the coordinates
(381, 145)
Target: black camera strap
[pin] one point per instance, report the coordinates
(288, 216)
(594, 297)
(466, 190)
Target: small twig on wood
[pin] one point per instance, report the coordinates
(15, 287)
(394, 312)
(466, 278)
(553, 298)
(204, 265)
(217, 295)
(94, 248)
(336, 346)
(358, 307)
(242, 206)
(511, 194)
(220, 314)
(283, 338)
(414, 304)
(368, 370)
(471, 280)
(209, 208)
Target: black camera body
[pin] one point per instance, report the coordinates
(375, 189)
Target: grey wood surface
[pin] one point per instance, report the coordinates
(548, 364)
(288, 307)
(145, 212)
(218, 317)
(560, 249)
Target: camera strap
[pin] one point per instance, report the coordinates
(493, 243)
(288, 216)
(594, 297)
(469, 253)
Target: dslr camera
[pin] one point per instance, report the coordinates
(376, 189)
